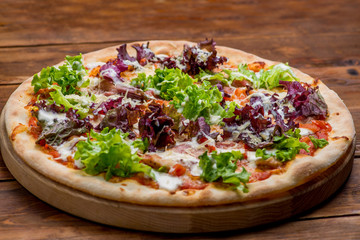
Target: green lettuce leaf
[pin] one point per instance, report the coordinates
(60, 99)
(110, 152)
(141, 81)
(167, 81)
(267, 79)
(199, 101)
(190, 99)
(206, 75)
(318, 143)
(69, 76)
(222, 167)
(270, 79)
(287, 146)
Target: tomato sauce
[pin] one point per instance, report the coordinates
(34, 127)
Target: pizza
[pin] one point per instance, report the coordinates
(176, 123)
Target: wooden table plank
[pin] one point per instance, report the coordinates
(346, 201)
(28, 213)
(70, 21)
(5, 92)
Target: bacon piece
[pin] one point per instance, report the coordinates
(152, 160)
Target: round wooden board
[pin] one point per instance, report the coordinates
(178, 219)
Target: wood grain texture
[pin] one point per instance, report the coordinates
(69, 21)
(29, 213)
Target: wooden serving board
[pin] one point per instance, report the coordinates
(177, 219)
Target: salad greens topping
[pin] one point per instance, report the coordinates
(167, 81)
(287, 146)
(68, 101)
(190, 99)
(111, 152)
(223, 167)
(64, 83)
(267, 79)
(318, 143)
(68, 76)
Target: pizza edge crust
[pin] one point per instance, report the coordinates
(300, 170)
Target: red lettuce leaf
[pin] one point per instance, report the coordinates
(112, 69)
(143, 53)
(123, 54)
(195, 58)
(56, 133)
(156, 126)
(105, 106)
(307, 101)
(122, 117)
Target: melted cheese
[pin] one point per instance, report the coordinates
(251, 157)
(84, 100)
(166, 181)
(305, 131)
(68, 149)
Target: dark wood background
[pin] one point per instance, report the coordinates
(321, 38)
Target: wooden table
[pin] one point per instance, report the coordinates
(318, 37)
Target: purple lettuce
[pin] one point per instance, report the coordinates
(195, 58)
(199, 129)
(143, 53)
(121, 117)
(56, 133)
(204, 131)
(307, 101)
(202, 56)
(252, 124)
(248, 125)
(105, 106)
(123, 54)
(155, 125)
(168, 62)
(112, 69)
(275, 107)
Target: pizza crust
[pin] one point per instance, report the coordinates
(301, 170)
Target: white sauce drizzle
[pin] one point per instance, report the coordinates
(50, 117)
